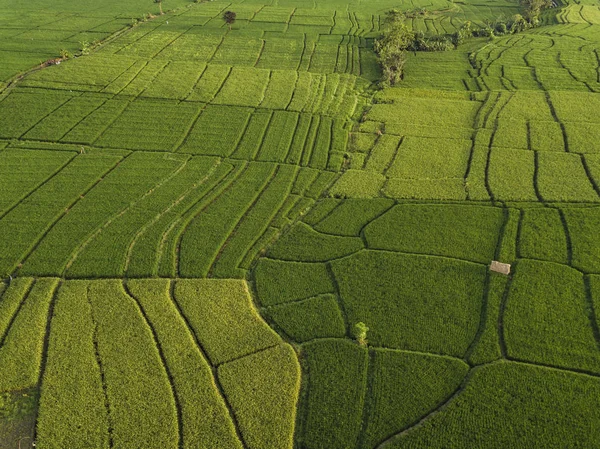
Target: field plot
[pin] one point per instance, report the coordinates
(234, 237)
(118, 372)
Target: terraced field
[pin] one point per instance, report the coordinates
(195, 218)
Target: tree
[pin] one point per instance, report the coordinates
(533, 9)
(391, 50)
(360, 332)
(159, 6)
(229, 18)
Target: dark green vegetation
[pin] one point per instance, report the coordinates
(197, 218)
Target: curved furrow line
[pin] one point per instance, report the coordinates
(142, 230)
(440, 408)
(81, 247)
(213, 368)
(174, 392)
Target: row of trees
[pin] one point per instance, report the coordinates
(398, 39)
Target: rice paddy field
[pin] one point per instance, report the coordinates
(195, 218)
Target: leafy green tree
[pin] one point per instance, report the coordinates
(229, 18)
(391, 50)
(360, 332)
(533, 9)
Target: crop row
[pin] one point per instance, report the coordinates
(564, 421)
(430, 169)
(546, 317)
(105, 215)
(144, 362)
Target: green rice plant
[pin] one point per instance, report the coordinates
(204, 416)
(574, 106)
(337, 376)
(316, 317)
(511, 134)
(594, 286)
(209, 84)
(320, 151)
(243, 87)
(196, 45)
(106, 254)
(253, 225)
(274, 14)
(511, 175)
(352, 215)
(423, 111)
(278, 138)
(487, 346)
(223, 318)
(306, 177)
(137, 388)
(22, 171)
(12, 298)
(91, 127)
(331, 86)
(144, 78)
(282, 52)
(294, 155)
(459, 231)
(238, 50)
(420, 158)
(303, 244)
(280, 89)
(546, 319)
(253, 136)
(176, 81)
(562, 177)
(322, 182)
(382, 154)
(543, 236)
(405, 387)
(123, 80)
(426, 189)
(126, 184)
(309, 142)
(279, 282)
(154, 250)
(151, 44)
(324, 56)
(546, 136)
(148, 124)
(357, 184)
(65, 118)
(90, 73)
(320, 211)
(508, 250)
(592, 166)
(488, 402)
(23, 342)
(365, 141)
(34, 216)
(262, 389)
(413, 302)
(72, 408)
(217, 131)
(21, 110)
(210, 229)
(582, 137)
(583, 226)
(302, 91)
(170, 238)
